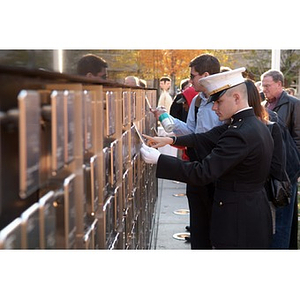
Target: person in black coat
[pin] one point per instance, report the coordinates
(278, 164)
(237, 159)
(287, 108)
(176, 109)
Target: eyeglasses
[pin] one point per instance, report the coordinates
(192, 76)
(266, 86)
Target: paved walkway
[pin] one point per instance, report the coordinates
(171, 217)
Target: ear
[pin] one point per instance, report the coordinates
(89, 74)
(237, 98)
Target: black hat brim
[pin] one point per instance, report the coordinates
(216, 96)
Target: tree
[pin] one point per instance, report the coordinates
(259, 61)
(31, 59)
(290, 64)
(174, 63)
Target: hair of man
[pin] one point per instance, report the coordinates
(165, 78)
(206, 63)
(275, 74)
(91, 63)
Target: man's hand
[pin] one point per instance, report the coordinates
(158, 141)
(149, 155)
(158, 111)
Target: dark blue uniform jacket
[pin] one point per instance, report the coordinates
(237, 157)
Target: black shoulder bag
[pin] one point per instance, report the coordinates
(279, 191)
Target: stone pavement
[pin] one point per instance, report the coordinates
(171, 217)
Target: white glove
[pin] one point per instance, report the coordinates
(149, 155)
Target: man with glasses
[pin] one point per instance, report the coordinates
(91, 65)
(287, 108)
(200, 119)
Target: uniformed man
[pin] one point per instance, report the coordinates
(237, 159)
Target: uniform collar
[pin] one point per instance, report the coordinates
(241, 114)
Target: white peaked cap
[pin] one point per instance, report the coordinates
(216, 83)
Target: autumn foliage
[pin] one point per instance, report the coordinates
(174, 63)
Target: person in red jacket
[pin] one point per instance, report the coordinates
(186, 98)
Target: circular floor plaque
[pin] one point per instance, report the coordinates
(182, 211)
(181, 236)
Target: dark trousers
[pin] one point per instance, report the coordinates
(286, 224)
(294, 230)
(200, 199)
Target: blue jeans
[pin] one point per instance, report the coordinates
(284, 217)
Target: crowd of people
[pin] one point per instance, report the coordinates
(228, 174)
(238, 135)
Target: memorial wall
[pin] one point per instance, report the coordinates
(71, 172)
